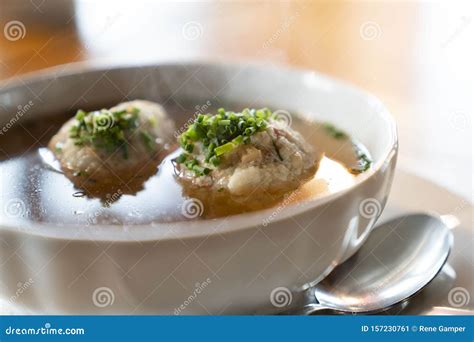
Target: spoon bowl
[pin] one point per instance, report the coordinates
(399, 258)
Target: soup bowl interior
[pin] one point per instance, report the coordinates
(231, 264)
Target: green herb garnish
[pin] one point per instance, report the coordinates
(363, 161)
(58, 148)
(220, 134)
(334, 132)
(107, 130)
(80, 174)
(148, 140)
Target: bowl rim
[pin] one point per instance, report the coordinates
(194, 228)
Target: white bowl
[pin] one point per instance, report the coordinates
(227, 265)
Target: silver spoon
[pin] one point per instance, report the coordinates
(398, 259)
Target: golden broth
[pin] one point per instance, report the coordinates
(34, 189)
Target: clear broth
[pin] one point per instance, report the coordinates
(34, 189)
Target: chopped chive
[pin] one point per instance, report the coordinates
(214, 161)
(105, 129)
(363, 161)
(334, 132)
(181, 158)
(58, 147)
(238, 140)
(224, 122)
(148, 140)
(80, 174)
(224, 148)
(219, 134)
(125, 151)
(152, 120)
(80, 115)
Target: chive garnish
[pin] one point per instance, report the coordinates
(148, 140)
(363, 161)
(334, 132)
(108, 130)
(58, 147)
(220, 134)
(224, 148)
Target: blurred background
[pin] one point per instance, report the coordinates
(417, 56)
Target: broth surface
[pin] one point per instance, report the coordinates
(34, 189)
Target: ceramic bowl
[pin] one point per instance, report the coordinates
(228, 265)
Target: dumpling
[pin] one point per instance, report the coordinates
(240, 153)
(113, 145)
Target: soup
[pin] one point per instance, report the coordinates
(33, 187)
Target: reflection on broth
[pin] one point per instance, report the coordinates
(331, 176)
(36, 188)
